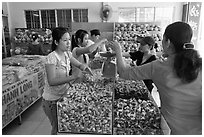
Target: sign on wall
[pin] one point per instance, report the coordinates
(194, 19)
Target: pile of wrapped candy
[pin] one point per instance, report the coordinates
(129, 34)
(87, 108)
(127, 89)
(23, 35)
(134, 112)
(17, 67)
(108, 106)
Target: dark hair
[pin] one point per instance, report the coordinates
(78, 35)
(57, 34)
(149, 41)
(95, 32)
(34, 36)
(187, 62)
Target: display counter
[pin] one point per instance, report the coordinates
(102, 105)
(22, 85)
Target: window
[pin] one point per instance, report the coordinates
(32, 19)
(64, 17)
(164, 15)
(127, 15)
(146, 14)
(48, 18)
(80, 15)
(54, 18)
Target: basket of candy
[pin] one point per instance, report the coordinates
(87, 107)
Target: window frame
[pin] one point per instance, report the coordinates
(81, 17)
(155, 17)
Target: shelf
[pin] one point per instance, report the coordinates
(19, 115)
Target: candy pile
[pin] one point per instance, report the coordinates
(93, 107)
(129, 34)
(134, 112)
(17, 67)
(24, 35)
(127, 89)
(136, 117)
(87, 108)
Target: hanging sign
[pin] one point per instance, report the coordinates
(194, 19)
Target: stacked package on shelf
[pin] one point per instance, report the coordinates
(129, 34)
(17, 67)
(23, 37)
(11, 74)
(134, 112)
(34, 63)
(87, 107)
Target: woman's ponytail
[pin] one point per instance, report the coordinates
(74, 43)
(187, 65)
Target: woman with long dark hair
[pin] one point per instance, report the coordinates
(80, 49)
(57, 66)
(178, 79)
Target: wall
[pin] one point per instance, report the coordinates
(17, 19)
(4, 8)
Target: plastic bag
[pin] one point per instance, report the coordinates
(109, 69)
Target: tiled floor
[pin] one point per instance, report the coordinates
(35, 122)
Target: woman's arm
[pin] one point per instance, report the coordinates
(77, 64)
(89, 49)
(103, 48)
(131, 73)
(51, 76)
(81, 66)
(121, 65)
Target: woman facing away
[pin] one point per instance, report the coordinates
(80, 49)
(57, 66)
(178, 79)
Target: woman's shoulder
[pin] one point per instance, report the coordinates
(52, 55)
(51, 58)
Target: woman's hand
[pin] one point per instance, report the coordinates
(115, 46)
(103, 41)
(88, 71)
(75, 77)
